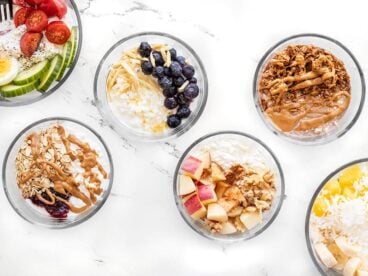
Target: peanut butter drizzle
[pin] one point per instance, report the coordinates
(63, 181)
(304, 87)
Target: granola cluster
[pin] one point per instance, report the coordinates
(304, 87)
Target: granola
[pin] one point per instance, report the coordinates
(303, 88)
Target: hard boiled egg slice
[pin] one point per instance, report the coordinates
(9, 68)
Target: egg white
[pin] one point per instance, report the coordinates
(10, 75)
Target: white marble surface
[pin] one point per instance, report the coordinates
(139, 231)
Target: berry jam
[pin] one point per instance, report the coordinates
(58, 210)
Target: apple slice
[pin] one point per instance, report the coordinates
(325, 255)
(186, 185)
(217, 172)
(193, 167)
(221, 188)
(194, 206)
(206, 160)
(227, 204)
(251, 219)
(227, 228)
(206, 194)
(216, 212)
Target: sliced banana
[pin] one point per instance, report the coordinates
(352, 266)
(325, 255)
(347, 248)
(362, 273)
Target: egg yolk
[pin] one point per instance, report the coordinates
(4, 66)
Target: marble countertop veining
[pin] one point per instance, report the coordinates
(139, 230)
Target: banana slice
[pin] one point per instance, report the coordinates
(325, 255)
(352, 266)
(347, 248)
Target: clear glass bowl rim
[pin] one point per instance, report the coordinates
(109, 157)
(190, 49)
(66, 76)
(310, 206)
(262, 144)
(329, 138)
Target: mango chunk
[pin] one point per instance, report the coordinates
(320, 207)
(332, 187)
(350, 175)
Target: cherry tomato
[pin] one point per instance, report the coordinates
(34, 2)
(57, 32)
(36, 21)
(54, 8)
(20, 16)
(29, 43)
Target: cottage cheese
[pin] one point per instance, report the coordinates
(141, 110)
(229, 151)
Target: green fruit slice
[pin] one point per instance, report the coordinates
(12, 90)
(67, 51)
(32, 74)
(51, 74)
(74, 40)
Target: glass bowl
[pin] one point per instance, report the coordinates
(73, 19)
(310, 234)
(357, 82)
(35, 214)
(114, 53)
(265, 156)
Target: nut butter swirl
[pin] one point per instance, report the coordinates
(45, 164)
(304, 87)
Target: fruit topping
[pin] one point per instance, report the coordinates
(156, 58)
(186, 185)
(170, 92)
(54, 8)
(236, 196)
(36, 21)
(20, 16)
(58, 32)
(29, 43)
(173, 121)
(144, 49)
(194, 206)
(188, 71)
(170, 103)
(191, 91)
(147, 67)
(158, 72)
(183, 112)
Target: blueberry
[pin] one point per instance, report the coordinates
(147, 67)
(193, 80)
(165, 82)
(167, 72)
(180, 98)
(173, 53)
(188, 71)
(158, 72)
(183, 112)
(173, 121)
(144, 49)
(181, 60)
(159, 61)
(179, 81)
(170, 103)
(169, 91)
(175, 69)
(191, 91)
